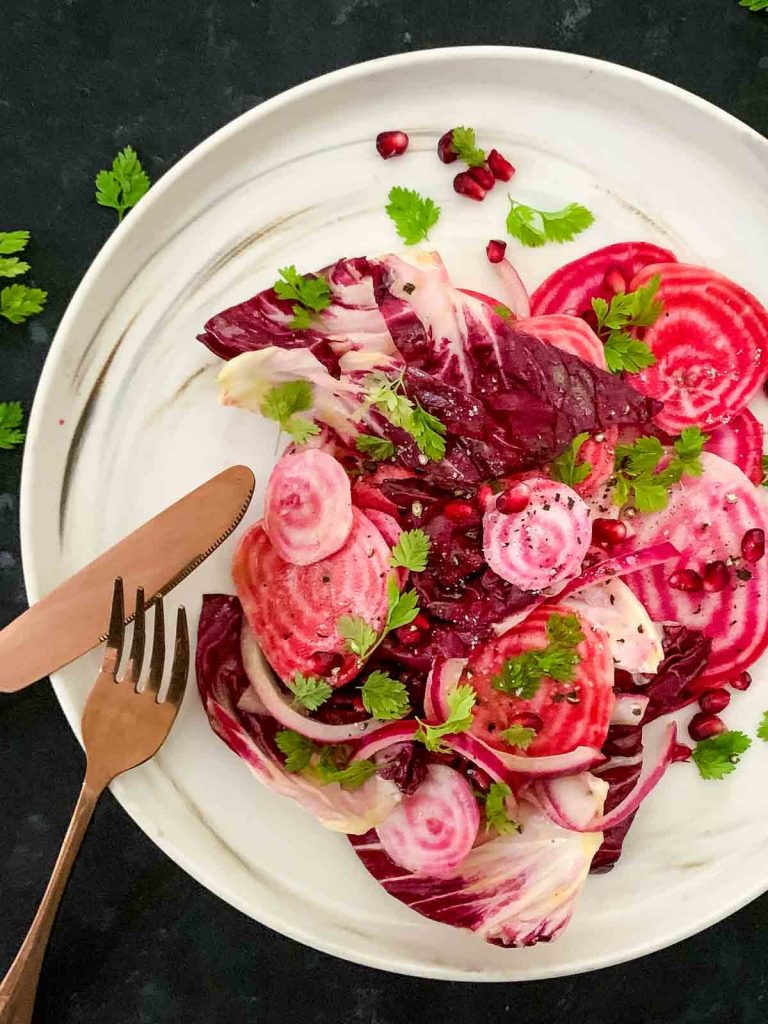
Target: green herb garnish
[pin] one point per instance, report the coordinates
(496, 813)
(534, 227)
(718, 756)
(522, 674)
(384, 697)
(283, 402)
(566, 468)
(628, 310)
(123, 186)
(412, 214)
(461, 701)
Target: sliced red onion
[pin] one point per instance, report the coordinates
(308, 506)
(278, 704)
(559, 803)
(515, 293)
(629, 709)
(503, 767)
(542, 545)
(583, 795)
(431, 832)
(622, 564)
(251, 703)
(385, 736)
(443, 677)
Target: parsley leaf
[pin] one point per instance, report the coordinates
(636, 469)
(566, 469)
(626, 354)
(388, 396)
(283, 401)
(298, 749)
(378, 448)
(688, 448)
(754, 5)
(503, 311)
(13, 241)
(640, 308)
(403, 608)
(465, 147)
(764, 481)
(123, 186)
(413, 215)
(522, 674)
(496, 813)
(18, 302)
(384, 697)
(411, 551)
(359, 635)
(461, 701)
(535, 227)
(718, 756)
(329, 769)
(517, 735)
(11, 416)
(642, 456)
(302, 318)
(310, 293)
(310, 691)
(12, 266)
(762, 729)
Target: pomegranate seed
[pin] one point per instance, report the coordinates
(479, 778)
(513, 499)
(681, 752)
(704, 725)
(501, 168)
(529, 720)
(483, 177)
(715, 577)
(324, 663)
(714, 701)
(422, 622)
(614, 280)
(391, 144)
(608, 531)
(460, 511)
(495, 250)
(743, 681)
(485, 496)
(685, 579)
(466, 185)
(445, 149)
(753, 545)
(409, 635)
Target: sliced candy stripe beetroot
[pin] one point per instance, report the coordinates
(581, 710)
(568, 333)
(572, 288)
(706, 519)
(308, 506)
(542, 545)
(431, 832)
(741, 442)
(294, 609)
(390, 530)
(710, 343)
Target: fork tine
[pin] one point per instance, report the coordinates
(116, 634)
(136, 657)
(180, 667)
(157, 660)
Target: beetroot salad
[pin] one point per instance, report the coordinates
(508, 533)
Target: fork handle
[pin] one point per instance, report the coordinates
(18, 988)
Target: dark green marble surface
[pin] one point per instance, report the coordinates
(138, 942)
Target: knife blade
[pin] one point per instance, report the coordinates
(72, 619)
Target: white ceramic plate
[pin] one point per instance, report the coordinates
(126, 420)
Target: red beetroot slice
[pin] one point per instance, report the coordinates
(706, 518)
(581, 721)
(740, 442)
(568, 333)
(542, 545)
(431, 832)
(710, 343)
(294, 609)
(308, 506)
(572, 288)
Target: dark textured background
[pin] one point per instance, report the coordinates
(138, 942)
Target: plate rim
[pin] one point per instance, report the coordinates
(34, 454)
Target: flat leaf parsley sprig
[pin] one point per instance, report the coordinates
(284, 402)
(123, 186)
(308, 294)
(412, 214)
(522, 674)
(627, 311)
(387, 394)
(533, 227)
(18, 301)
(638, 479)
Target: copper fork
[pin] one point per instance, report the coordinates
(124, 724)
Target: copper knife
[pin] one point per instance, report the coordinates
(72, 618)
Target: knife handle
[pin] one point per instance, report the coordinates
(19, 987)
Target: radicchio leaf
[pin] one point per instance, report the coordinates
(685, 657)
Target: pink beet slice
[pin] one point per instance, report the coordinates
(710, 343)
(705, 520)
(601, 273)
(561, 724)
(543, 544)
(308, 506)
(568, 333)
(294, 609)
(740, 442)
